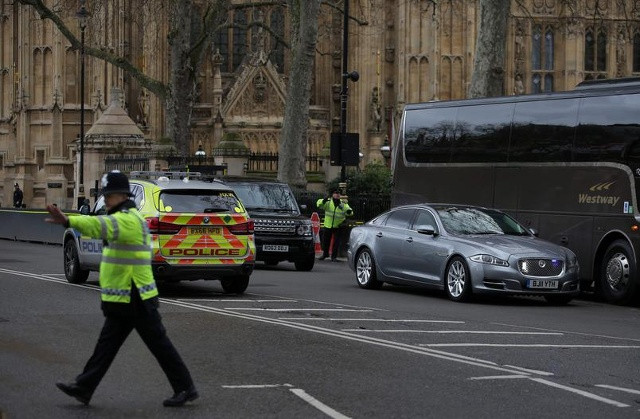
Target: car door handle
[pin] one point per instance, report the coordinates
(379, 234)
(409, 239)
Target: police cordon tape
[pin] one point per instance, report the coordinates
(29, 225)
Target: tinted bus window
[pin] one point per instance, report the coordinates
(543, 130)
(608, 129)
(428, 135)
(482, 133)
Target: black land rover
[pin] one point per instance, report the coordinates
(282, 233)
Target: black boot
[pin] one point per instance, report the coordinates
(181, 397)
(74, 390)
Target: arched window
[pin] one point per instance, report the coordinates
(277, 47)
(636, 53)
(595, 54)
(542, 59)
(239, 37)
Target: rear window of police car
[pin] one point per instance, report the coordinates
(194, 200)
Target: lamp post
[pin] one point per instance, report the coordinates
(343, 93)
(82, 15)
(200, 154)
(385, 150)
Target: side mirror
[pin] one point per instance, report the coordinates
(534, 231)
(84, 210)
(428, 230)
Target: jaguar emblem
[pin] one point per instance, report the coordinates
(542, 263)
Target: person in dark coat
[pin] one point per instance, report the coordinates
(17, 196)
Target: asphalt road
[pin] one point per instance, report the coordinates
(314, 345)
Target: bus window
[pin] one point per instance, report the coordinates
(428, 135)
(608, 129)
(543, 130)
(482, 133)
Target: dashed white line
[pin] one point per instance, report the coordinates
(498, 377)
(253, 386)
(294, 309)
(227, 300)
(626, 390)
(530, 370)
(528, 345)
(476, 332)
(372, 320)
(580, 392)
(318, 404)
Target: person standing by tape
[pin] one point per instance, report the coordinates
(128, 292)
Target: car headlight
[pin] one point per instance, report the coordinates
(489, 259)
(304, 229)
(572, 262)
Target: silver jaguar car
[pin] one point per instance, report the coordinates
(465, 250)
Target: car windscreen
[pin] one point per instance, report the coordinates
(198, 201)
(266, 197)
(466, 221)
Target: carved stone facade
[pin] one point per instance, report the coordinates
(404, 50)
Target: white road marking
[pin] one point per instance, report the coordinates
(371, 320)
(498, 377)
(567, 332)
(252, 386)
(447, 356)
(626, 390)
(294, 309)
(317, 302)
(580, 392)
(530, 370)
(476, 332)
(318, 404)
(224, 300)
(531, 345)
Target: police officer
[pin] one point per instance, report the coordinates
(336, 210)
(129, 293)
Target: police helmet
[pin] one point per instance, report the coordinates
(115, 182)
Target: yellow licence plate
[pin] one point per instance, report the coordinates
(205, 230)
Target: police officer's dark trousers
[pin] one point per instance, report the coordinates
(144, 317)
(328, 234)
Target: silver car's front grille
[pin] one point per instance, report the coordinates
(278, 227)
(540, 267)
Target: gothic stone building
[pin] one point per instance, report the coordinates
(404, 50)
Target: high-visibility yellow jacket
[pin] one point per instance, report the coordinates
(334, 215)
(126, 257)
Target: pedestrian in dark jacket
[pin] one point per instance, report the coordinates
(129, 293)
(17, 196)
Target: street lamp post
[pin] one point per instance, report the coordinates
(200, 154)
(82, 15)
(354, 76)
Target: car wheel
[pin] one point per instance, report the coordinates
(617, 280)
(236, 284)
(558, 300)
(457, 280)
(366, 274)
(306, 263)
(72, 270)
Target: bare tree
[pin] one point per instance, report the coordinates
(293, 143)
(488, 63)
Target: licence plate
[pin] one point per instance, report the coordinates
(275, 248)
(542, 283)
(205, 230)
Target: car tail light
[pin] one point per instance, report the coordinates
(158, 227)
(242, 228)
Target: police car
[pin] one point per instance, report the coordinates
(200, 230)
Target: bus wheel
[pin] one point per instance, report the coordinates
(617, 282)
